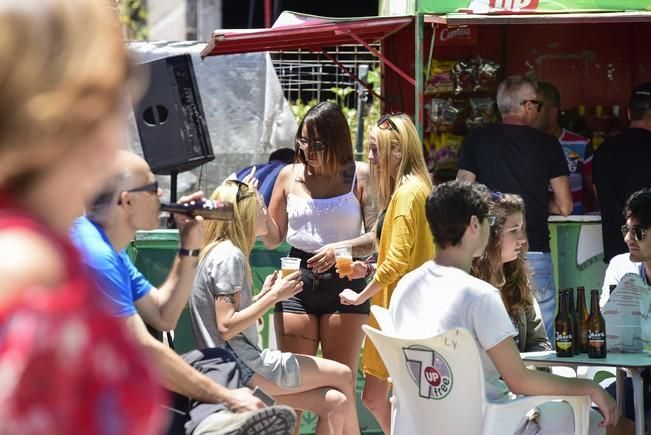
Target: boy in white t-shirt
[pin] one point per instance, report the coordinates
(441, 295)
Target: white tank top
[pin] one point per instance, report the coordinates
(315, 222)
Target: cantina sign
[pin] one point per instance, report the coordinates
(457, 35)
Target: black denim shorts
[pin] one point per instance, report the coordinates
(320, 293)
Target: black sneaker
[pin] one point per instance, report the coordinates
(274, 420)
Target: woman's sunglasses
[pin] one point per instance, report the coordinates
(304, 143)
(385, 122)
(243, 190)
(496, 196)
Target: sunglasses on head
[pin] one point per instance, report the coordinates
(385, 122)
(538, 103)
(316, 145)
(243, 190)
(496, 196)
(149, 188)
(639, 233)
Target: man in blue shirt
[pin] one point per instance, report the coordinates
(129, 203)
(266, 173)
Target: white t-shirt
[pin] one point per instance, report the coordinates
(433, 299)
(619, 266)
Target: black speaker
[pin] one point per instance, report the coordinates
(170, 118)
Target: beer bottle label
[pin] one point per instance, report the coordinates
(563, 340)
(596, 338)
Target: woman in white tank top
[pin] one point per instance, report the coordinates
(318, 203)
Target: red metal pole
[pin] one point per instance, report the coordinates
(267, 13)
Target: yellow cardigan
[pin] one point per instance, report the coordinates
(405, 243)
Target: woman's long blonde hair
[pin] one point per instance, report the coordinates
(512, 278)
(62, 66)
(241, 230)
(403, 140)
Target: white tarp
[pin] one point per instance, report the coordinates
(247, 114)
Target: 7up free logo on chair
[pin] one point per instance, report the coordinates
(430, 371)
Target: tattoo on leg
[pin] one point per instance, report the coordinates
(230, 299)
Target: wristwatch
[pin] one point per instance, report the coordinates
(189, 252)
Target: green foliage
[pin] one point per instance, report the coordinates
(299, 108)
(133, 16)
(372, 109)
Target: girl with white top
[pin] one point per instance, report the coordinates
(318, 203)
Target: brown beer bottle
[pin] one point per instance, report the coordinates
(569, 295)
(581, 322)
(571, 311)
(596, 328)
(564, 327)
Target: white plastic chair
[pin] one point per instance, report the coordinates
(438, 387)
(383, 317)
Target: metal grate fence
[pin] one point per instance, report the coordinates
(309, 75)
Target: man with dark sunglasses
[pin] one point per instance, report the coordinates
(210, 396)
(636, 233)
(514, 157)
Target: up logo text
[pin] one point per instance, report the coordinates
(430, 371)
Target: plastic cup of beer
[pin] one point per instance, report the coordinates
(344, 259)
(289, 265)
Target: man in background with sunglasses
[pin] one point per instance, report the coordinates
(636, 233)
(208, 384)
(578, 149)
(514, 157)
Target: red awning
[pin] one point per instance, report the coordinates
(313, 33)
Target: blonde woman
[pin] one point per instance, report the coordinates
(399, 173)
(63, 68)
(225, 313)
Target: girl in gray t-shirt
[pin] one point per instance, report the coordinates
(225, 313)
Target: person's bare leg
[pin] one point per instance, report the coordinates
(324, 379)
(341, 338)
(297, 333)
(327, 403)
(376, 399)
